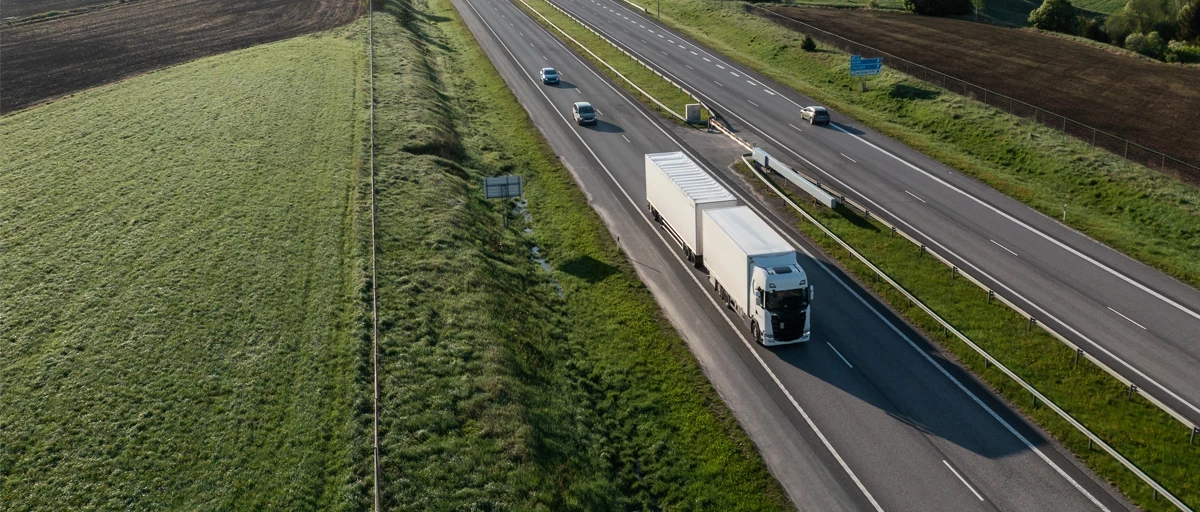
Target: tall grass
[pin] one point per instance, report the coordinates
(177, 287)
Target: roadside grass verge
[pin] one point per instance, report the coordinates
(504, 385)
(654, 85)
(1150, 438)
(1135, 210)
(178, 286)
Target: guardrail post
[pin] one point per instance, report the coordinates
(1034, 398)
(953, 273)
(1192, 439)
(1132, 389)
(1029, 326)
(1089, 444)
(991, 294)
(892, 232)
(921, 252)
(1078, 352)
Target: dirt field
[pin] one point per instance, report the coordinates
(27, 8)
(1153, 104)
(52, 58)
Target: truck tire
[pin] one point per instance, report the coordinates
(756, 333)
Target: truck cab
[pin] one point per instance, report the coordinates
(782, 297)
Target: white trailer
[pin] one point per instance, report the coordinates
(678, 192)
(755, 271)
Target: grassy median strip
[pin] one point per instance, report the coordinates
(506, 386)
(1150, 438)
(178, 286)
(1136, 210)
(654, 85)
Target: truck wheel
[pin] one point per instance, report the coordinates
(756, 333)
(690, 256)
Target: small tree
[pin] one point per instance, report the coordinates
(1135, 42)
(1055, 16)
(979, 5)
(808, 44)
(1155, 46)
(1189, 22)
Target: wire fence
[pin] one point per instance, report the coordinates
(1129, 150)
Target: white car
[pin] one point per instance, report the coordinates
(583, 113)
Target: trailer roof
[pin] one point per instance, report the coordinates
(749, 231)
(690, 178)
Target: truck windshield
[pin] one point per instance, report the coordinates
(787, 300)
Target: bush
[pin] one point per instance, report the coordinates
(872, 4)
(808, 44)
(939, 7)
(1150, 45)
(1179, 51)
(1092, 29)
(1135, 42)
(1055, 16)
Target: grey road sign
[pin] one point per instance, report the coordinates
(501, 187)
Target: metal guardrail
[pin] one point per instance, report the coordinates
(1038, 396)
(715, 123)
(1097, 138)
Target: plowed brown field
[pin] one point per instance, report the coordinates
(1151, 103)
(52, 58)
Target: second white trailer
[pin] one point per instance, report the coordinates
(678, 192)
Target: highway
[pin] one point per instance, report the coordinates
(1138, 321)
(869, 416)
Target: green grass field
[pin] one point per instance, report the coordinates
(178, 286)
(506, 386)
(1144, 434)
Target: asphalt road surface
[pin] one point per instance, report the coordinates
(868, 416)
(1140, 322)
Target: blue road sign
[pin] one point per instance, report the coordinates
(865, 67)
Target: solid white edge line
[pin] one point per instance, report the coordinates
(1029, 228)
(742, 337)
(1003, 247)
(927, 357)
(839, 354)
(963, 480)
(1127, 318)
(1041, 310)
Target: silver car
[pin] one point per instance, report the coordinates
(815, 115)
(583, 113)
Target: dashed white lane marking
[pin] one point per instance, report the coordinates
(1005, 248)
(705, 59)
(768, 91)
(963, 480)
(642, 26)
(672, 41)
(660, 35)
(914, 196)
(720, 66)
(545, 59)
(848, 158)
(839, 354)
(753, 103)
(694, 53)
(1127, 318)
(627, 139)
(644, 41)
(751, 82)
(689, 67)
(796, 127)
(718, 83)
(734, 73)
(664, 53)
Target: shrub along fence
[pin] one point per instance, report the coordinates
(1129, 150)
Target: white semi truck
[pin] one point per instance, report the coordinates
(753, 269)
(678, 191)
